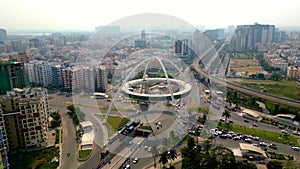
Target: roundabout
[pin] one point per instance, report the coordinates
(185, 89)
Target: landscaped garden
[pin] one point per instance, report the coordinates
(40, 159)
(114, 123)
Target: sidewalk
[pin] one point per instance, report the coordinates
(103, 127)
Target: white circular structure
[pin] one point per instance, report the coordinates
(157, 97)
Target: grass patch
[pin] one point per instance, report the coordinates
(35, 159)
(84, 153)
(57, 136)
(267, 135)
(114, 123)
(146, 128)
(279, 88)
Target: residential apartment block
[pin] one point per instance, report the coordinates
(24, 118)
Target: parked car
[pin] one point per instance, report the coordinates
(248, 140)
(295, 148)
(283, 131)
(274, 146)
(297, 133)
(264, 144)
(256, 138)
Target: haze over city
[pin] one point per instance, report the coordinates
(149, 84)
(85, 15)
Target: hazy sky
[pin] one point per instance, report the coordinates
(86, 14)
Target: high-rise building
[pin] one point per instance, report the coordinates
(89, 79)
(73, 78)
(215, 34)
(178, 46)
(182, 47)
(185, 47)
(57, 76)
(12, 75)
(3, 35)
(43, 74)
(29, 69)
(24, 119)
(101, 79)
(247, 36)
(35, 42)
(143, 35)
(3, 150)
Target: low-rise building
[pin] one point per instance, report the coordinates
(293, 72)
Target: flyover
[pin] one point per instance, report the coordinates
(196, 67)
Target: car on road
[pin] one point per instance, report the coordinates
(125, 166)
(295, 148)
(223, 136)
(246, 121)
(236, 138)
(297, 133)
(135, 160)
(255, 125)
(248, 140)
(274, 146)
(256, 138)
(264, 144)
(283, 131)
(280, 127)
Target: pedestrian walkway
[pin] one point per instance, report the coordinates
(104, 133)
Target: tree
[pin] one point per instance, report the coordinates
(227, 115)
(172, 155)
(56, 121)
(71, 108)
(276, 76)
(275, 164)
(191, 143)
(224, 157)
(243, 165)
(163, 158)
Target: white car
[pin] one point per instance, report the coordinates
(263, 144)
(284, 131)
(135, 160)
(295, 148)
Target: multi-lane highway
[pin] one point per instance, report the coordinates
(196, 67)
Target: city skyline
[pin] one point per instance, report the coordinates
(70, 15)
